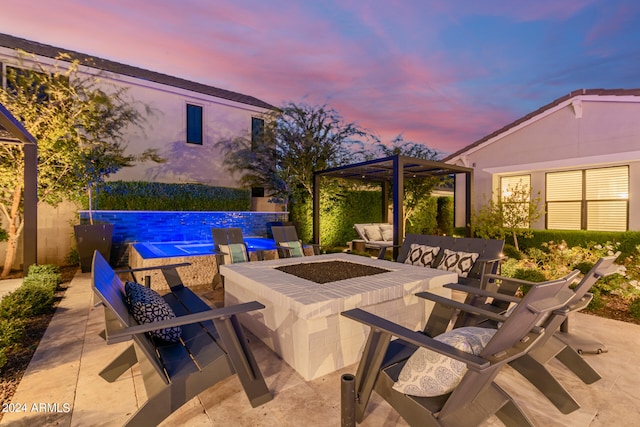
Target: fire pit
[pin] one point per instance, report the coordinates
(302, 322)
(330, 271)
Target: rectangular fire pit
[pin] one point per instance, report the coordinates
(302, 322)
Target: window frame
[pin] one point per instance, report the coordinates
(193, 136)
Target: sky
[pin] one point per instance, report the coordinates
(443, 73)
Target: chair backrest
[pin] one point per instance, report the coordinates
(284, 233)
(109, 289)
(225, 236)
(532, 310)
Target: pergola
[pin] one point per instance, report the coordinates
(392, 171)
(12, 132)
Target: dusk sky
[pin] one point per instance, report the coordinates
(442, 73)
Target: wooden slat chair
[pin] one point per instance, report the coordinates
(476, 397)
(212, 347)
(288, 244)
(533, 365)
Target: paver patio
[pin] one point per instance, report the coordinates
(62, 386)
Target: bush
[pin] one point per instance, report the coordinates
(530, 275)
(511, 252)
(584, 266)
(11, 331)
(634, 308)
(30, 299)
(596, 302)
(43, 269)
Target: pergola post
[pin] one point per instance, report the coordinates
(30, 231)
(316, 209)
(385, 201)
(398, 205)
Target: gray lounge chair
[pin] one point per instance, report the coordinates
(287, 242)
(532, 365)
(476, 397)
(226, 247)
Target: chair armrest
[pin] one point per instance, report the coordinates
(482, 292)
(155, 267)
(416, 338)
(467, 308)
(219, 313)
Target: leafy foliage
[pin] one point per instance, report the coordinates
(296, 141)
(78, 121)
(508, 214)
(155, 196)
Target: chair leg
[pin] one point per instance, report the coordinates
(540, 377)
(511, 415)
(576, 363)
(120, 365)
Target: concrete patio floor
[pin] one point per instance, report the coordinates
(61, 386)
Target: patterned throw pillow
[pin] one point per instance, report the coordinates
(459, 262)
(428, 373)
(146, 306)
(373, 233)
(295, 248)
(421, 255)
(234, 252)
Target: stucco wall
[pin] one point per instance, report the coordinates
(606, 134)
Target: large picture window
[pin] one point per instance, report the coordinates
(592, 199)
(194, 124)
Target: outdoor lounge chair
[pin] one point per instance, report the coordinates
(391, 368)
(532, 365)
(229, 248)
(376, 236)
(288, 244)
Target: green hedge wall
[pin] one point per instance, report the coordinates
(628, 239)
(154, 196)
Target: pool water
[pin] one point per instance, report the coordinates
(149, 250)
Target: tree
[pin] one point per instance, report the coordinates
(78, 122)
(418, 190)
(511, 213)
(297, 140)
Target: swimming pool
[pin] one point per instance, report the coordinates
(152, 250)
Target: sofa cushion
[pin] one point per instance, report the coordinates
(421, 255)
(373, 233)
(387, 232)
(147, 306)
(295, 248)
(428, 373)
(458, 262)
(234, 252)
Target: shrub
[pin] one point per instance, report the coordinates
(596, 302)
(30, 299)
(634, 308)
(530, 275)
(43, 269)
(11, 331)
(584, 266)
(511, 252)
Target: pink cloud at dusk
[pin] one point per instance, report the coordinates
(442, 73)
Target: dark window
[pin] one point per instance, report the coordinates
(257, 131)
(26, 81)
(194, 124)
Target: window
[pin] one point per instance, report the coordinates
(592, 199)
(194, 124)
(257, 131)
(515, 191)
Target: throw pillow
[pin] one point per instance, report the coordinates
(387, 232)
(373, 233)
(428, 373)
(234, 252)
(421, 255)
(295, 248)
(459, 262)
(146, 306)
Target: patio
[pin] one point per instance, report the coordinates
(62, 386)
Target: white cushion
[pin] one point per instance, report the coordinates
(373, 233)
(428, 373)
(421, 255)
(387, 232)
(459, 262)
(234, 252)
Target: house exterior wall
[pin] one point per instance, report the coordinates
(163, 130)
(583, 133)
